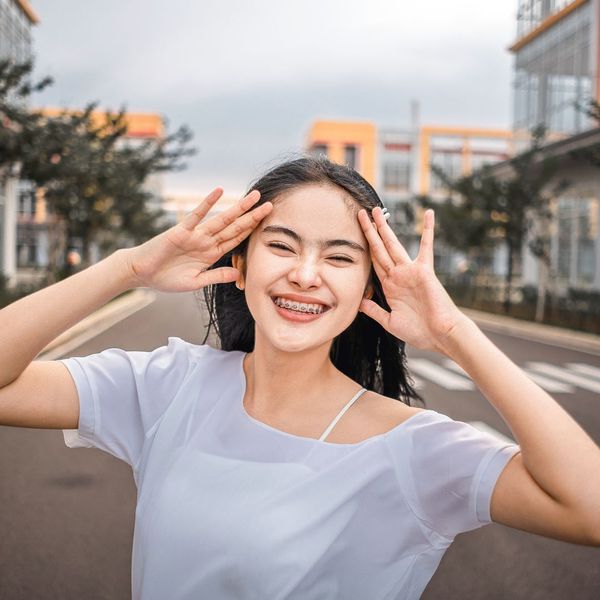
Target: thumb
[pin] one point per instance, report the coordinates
(373, 310)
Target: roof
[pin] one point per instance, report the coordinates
(29, 12)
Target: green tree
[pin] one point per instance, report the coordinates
(507, 207)
(92, 177)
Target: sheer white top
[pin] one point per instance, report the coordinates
(230, 507)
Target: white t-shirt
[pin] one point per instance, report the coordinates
(229, 507)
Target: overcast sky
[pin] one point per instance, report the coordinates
(249, 76)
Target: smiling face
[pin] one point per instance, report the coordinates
(309, 248)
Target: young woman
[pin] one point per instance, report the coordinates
(290, 463)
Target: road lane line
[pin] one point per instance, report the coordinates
(584, 369)
(450, 364)
(439, 375)
(550, 385)
(565, 375)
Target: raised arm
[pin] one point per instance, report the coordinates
(551, 487)
(42, 393)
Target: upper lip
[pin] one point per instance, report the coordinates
(299, 298)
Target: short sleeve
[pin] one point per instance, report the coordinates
(123, 395)
(447, 470)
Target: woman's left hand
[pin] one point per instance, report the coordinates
(422, 313)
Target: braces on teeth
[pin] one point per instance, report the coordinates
(298, 307)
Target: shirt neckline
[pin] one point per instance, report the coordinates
(239, 402)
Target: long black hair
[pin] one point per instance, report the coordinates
(364, 351)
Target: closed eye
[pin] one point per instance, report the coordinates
(283, 247)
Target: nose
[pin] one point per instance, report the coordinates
(305, 273)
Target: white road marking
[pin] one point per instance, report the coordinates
(450, 364)
(584, 369)
(550, 385)
(439, 375)
(546, 383)
(564, 375)
(419, 383)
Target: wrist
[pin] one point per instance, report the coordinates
(458, 335)
(127, 276)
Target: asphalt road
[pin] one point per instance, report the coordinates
(66, 524)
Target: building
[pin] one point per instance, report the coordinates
(16, 20)
(40, 237)
(398, 163)
(556, 71)
(556, 61)
(352, 143)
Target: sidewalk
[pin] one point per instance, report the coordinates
(556, 336)
(97, 322)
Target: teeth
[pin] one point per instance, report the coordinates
(299, 306)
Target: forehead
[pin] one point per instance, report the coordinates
(316, 205)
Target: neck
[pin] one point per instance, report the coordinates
(283, 383)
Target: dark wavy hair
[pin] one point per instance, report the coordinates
(365, 351)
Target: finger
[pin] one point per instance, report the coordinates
(426, 246)
(392, 243)
(373, 310)
(227, 217)
(192, 219)
(376, 244)
(232, 235)
(214, 276)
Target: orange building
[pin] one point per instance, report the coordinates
(139, 125)
(398, 162)
(352, 143)
(458, 151)
(35, 227)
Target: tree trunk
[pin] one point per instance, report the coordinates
(540, 306)
(508, 279)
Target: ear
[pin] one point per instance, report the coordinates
(237, 262)
(369, 291)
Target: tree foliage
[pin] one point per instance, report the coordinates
(483, 207)
(92, 176)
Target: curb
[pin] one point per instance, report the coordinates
(126, 305)
(550, 334)
(97, 322)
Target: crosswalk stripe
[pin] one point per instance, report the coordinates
(584, 369)
(546, 383)
(450, 364)
(439, 375)
(487, 429)
(419, 383)
(564, 375)
(550, 385)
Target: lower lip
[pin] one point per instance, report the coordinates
(298, 317)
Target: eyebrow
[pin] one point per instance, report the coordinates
(322, 243)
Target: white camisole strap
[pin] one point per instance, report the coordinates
(341, 413)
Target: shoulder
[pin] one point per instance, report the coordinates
(194, 353)
(374, 414)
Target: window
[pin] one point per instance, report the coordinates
(318, 150)
(396, 176)
(351, 156)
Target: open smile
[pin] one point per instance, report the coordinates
(298, 311)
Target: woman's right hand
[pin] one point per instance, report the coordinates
(177, 259)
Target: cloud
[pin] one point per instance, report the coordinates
(249, 77)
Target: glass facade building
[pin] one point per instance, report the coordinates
(555, 64)
(16, 19)
(556, 60)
